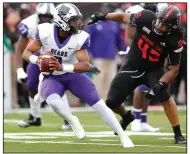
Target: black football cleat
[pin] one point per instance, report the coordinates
(180, 140)
(31, 121)
(129, 117)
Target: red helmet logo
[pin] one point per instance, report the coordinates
(179, 17)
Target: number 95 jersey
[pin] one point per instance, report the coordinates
(149, 50)
(64, 51)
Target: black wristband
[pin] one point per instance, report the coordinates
(105, 16)
(163, 84)
(102, 16)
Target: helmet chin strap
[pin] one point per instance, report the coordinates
(157, 32)
(160, 33)
(163, 33)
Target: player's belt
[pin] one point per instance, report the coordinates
(140, 74)
(129, 71)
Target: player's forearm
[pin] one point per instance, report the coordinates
(19, 50)
(118, 17)
(19, 60)
(129, 42)
(82, 67)
(169, 76)
(27, 56)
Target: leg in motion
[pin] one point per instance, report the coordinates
(86, 91)
(52, 90)
(170, 109)
(65, 125)
(140, 108)
(32, 85)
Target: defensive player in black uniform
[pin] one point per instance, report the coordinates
(157, 37)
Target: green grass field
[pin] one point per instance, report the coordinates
(100, 138)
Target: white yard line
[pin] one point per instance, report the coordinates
(11, 120)
(28, 137)
(166, 138)
(71, 142)
(99, 140)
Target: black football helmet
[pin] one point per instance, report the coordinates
(167, 19)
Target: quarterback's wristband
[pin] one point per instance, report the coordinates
(68, 67)
(33, 59)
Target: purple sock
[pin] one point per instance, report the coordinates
(137, 113)
(143, 118)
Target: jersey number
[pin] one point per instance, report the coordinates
(59, 59)
(152, 56)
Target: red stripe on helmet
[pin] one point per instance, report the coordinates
(180, 41)
(169, 12)
(139, 14)
(180, 44)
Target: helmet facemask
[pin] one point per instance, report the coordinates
(45, 12)
(75, 24)
(43, 18)
(162, 28)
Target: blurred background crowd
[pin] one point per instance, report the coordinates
(104, 46)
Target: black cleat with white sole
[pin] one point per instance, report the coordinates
(180, 140)
(31, 121)
(128, 118)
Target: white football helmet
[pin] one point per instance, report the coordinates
(68, 17)
(45, 12)
(45, 8)
(161, 6)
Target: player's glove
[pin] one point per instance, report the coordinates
(94, 69)
(96, 17)
(152, 92)
(21, 75)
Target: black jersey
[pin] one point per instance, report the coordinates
(149, 50)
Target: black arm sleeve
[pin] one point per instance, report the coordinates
(141, 18)
(174, 58)
(132, 19)
(176, 47)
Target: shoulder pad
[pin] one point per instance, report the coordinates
(134, 9)
(44, 30)
(28, 26)
(144, 17)
(81, 38)
(31, 21)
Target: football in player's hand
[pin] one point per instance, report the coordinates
(45, 58)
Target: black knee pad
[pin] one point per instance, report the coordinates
(164, 95)
(112, 104)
